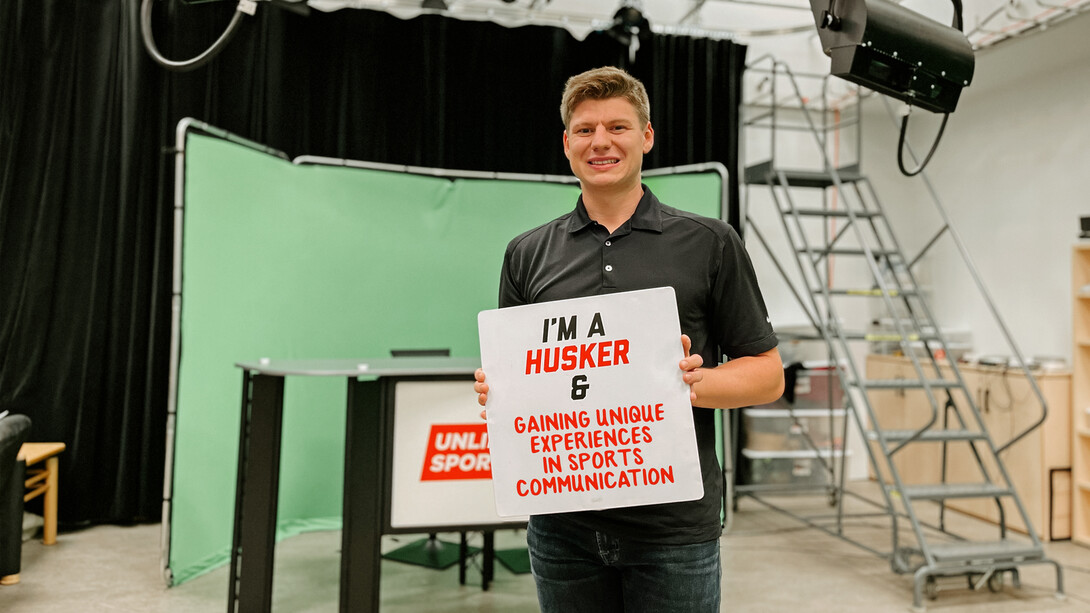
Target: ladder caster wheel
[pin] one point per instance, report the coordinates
(931, 588)
(995, 583)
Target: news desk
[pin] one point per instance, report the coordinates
(367, 471)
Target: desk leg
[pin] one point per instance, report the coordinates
(364, 495)
(256, 497)
(488, 555)
(463, 557)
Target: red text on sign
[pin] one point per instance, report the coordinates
(577, 357)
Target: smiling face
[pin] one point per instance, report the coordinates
(605, 145)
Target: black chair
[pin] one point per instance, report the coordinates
(14, 430)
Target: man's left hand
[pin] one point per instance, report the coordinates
(690, 366)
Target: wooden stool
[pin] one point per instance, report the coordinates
(43, 481)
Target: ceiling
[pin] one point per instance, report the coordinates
(779, 29)
(783, 30)
(783, 27)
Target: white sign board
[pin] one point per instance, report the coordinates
(586, 406)
(441, 464)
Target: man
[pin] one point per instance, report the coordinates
(662, 557)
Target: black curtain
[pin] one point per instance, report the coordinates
(83, 236)
(86, 174)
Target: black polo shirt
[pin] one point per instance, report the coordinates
(719, 305)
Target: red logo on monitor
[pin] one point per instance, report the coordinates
(457, 451)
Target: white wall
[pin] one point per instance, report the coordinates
(1013, 172)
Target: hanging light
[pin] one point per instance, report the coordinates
(630, 27)
(900, 53)
(896, 51)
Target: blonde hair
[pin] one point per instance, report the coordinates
(602, 83)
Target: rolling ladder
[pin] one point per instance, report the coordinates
(855, 229)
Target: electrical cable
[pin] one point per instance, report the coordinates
(901, 146)
(958, 23)
(244, 7)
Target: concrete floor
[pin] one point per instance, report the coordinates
(771, 563)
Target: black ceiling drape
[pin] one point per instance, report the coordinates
(86, 180)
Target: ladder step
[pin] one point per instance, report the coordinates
(884, 337)
(834, 213)
(765, 174)
(871, 337)
(901, 384)
(946, 491)
(896, 436)
(868, 292)
(799, 336)
(848, 251)
(985, 551)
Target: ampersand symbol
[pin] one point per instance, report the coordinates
(579, 387)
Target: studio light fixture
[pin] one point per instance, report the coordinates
(897, 52)
(630, 27)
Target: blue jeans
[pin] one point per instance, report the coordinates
(577, 569)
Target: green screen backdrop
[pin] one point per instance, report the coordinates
(308, 261)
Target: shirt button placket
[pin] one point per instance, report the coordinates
(607, 267)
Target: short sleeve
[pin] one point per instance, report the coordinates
(742, 325)
(510, 293)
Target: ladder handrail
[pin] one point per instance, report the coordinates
(893, 472)
(968, 260)
(952, 365)
(878, 278)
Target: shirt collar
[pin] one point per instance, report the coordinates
(648, 215)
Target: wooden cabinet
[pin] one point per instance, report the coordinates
(1080, 393)
(1039, 464)
(898, 409)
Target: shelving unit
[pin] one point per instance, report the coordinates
(796, 443)
(1080, 393)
